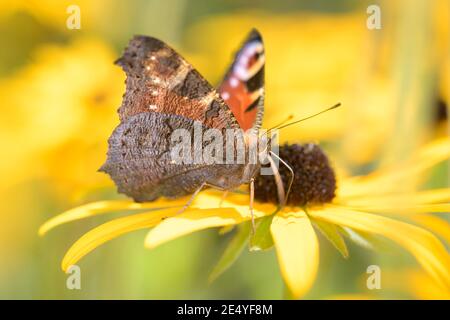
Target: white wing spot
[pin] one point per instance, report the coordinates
(234, 82)
(152, 107)
(225, 95)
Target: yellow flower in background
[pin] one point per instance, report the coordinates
(443, 125)
(398, 283)
(57, 113)
(411, 283)
(61, 106)
(54, 12)
(308, 67)
(316, 60)
(358, 210)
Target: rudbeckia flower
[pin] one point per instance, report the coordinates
(357, 208)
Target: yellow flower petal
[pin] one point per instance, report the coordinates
(111, 230)
(385, 180)
(241, 202)
(297, 250)
(438, 226)
(423, 245)
(102, 207)
(415, 282)
(424, 287)
(197, 219)
(407, 209)
(419, 197)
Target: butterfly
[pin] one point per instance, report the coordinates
(164, 93)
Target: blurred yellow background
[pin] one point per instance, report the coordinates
(59, 92)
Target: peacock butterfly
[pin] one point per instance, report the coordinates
(165, 93)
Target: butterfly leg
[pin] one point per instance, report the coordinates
(278, 181)
(291, 180)
(204, 184)
(252, 197)
(224, 195)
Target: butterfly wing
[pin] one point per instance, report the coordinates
(160, 80)
(243, 85)
(163, 93)
(141, 164)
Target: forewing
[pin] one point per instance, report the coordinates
(243, 85)
(160, 80)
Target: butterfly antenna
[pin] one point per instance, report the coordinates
(309, 117)
(281, 125)
(282, 122)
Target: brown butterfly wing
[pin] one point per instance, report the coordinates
(243, 85)
(140, 161)
(160, 80)
(163, 93)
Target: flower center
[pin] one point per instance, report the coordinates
(314, 180)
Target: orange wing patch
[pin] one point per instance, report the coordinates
(243, 86)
